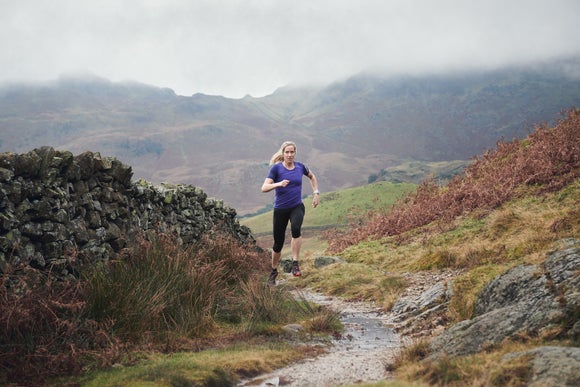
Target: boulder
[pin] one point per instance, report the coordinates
(550, 366)
(321, 261)
(527, 299)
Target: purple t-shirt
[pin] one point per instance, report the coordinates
(291, 195)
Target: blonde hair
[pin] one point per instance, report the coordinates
(279, 156)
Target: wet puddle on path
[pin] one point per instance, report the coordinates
(365, 326)
(364, 333)
(366, 346)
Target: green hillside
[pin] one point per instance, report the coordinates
(337, 207)
(511, 207)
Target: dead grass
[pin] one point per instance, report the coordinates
(161, 298)
(355, 282)
(488, 368)
(508, 208)
(42, 332)
(546, 161)
(520, 231)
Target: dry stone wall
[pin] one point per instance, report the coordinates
(55, 206)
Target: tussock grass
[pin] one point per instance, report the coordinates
(264, 306)
(414, 352)
(161, 290)
(324, 321)
(356, 282)
(489, 368)
(160, 297)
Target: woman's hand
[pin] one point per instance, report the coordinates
(315, 200)
(269, 184)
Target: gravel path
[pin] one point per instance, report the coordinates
(362, 353)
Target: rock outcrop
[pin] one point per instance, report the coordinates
(421, 310)
(550, 366)
(55, 206)
(526, 300)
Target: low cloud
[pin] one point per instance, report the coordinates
(235, 47)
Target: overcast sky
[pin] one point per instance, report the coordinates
(239, 47)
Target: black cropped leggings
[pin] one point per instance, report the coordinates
(281, 217)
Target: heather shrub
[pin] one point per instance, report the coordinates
(43, 334)
(157, 296)
(547, 160)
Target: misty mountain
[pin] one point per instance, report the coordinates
(345, 132)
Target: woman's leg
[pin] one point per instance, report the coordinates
(296, 244)
(296, 219)
(280, 223)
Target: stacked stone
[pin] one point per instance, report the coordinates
(56, 207)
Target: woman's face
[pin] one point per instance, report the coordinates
(289, 153)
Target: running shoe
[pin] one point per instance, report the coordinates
(273, 275)
(296, 269)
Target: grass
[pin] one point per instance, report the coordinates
(475, 246)
(199, 307)
(467, 286)
(355, 282)
(546, 161)
(217, 367)
(162, 290)
(336, 208)
(489, 368)
(162, 298)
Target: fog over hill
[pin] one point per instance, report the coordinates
(345, 132)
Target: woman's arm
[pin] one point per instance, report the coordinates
(269, 184)
(314, 184)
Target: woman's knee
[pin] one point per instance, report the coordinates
(277, 247)
(296, 232)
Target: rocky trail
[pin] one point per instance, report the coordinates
(367, 346)
(527, 298)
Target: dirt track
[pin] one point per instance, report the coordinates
(362, 353)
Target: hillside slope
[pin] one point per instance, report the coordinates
(345, 132)
(481, 273)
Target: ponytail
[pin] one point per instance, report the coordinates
(279, 156)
